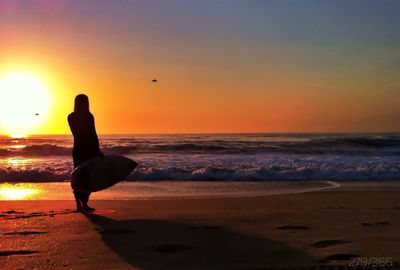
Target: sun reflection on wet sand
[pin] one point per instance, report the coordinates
(18, 192)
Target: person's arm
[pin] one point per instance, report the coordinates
(71, 124)
(96, 138)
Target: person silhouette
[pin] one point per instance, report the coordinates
(86, 145)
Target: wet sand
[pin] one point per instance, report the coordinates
(145, 190)
(307, 229)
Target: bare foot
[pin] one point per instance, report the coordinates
(87, 208)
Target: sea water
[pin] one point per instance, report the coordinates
(216, 157)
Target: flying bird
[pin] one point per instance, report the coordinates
(36, 114)
(154, 80)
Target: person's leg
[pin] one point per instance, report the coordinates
(78, 200)
(85, 195)
(82, 198)
(76, 193)
(85, 200)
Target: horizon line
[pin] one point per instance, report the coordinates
(218, 133)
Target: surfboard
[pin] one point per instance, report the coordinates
(97, 174)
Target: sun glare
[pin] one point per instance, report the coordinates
(17, 192)
(24, 102)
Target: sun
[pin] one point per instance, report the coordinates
(24, 102)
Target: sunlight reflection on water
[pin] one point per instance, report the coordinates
(21, 191)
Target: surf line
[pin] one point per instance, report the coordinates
(332, 185)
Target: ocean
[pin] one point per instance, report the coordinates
(216, 157)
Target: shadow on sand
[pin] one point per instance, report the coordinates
(160, 244)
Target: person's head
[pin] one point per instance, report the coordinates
(81, 104)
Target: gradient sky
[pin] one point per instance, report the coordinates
(222, 66)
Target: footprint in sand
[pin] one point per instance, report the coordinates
(338, 208)
(205, 227)
(328, 243)
(338, 257)
(113, 231)
(16, 252)
(293, 227)
(12, 212)
(24, 233)
(172, 248)
(377, 223)
(16, 215)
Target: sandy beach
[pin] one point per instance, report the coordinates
(199, 135)
(336, 227)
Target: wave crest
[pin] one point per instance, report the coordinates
(356, 145)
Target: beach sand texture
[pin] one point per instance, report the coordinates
(316, 228)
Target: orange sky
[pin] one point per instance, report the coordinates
(229, 75)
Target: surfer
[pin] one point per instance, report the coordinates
(86, 145)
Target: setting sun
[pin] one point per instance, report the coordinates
(24, 102)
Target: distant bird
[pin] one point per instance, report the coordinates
(154, 80)
(36, 114)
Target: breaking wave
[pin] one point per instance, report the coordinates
(220, 168)
(223, 157)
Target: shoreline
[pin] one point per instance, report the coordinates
(158, 190)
